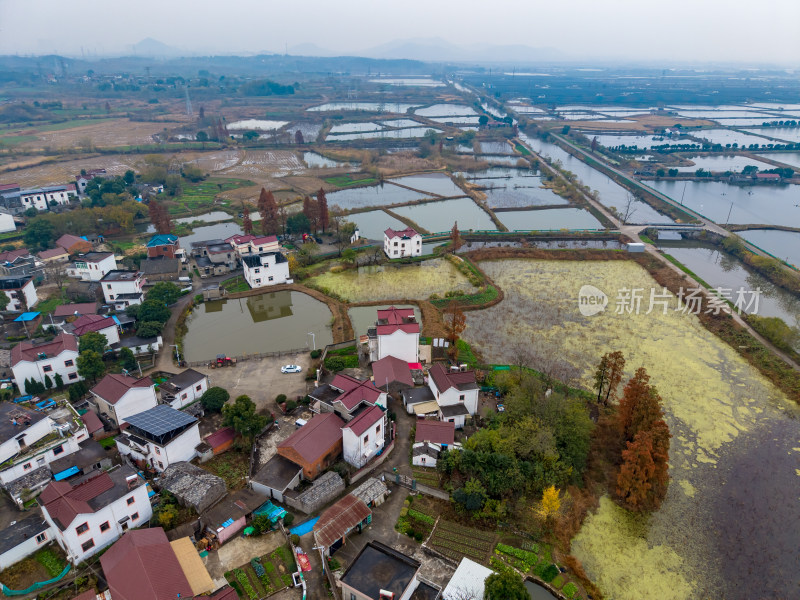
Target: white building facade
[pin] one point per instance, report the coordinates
(119, 396)
(20, 291)
(396, 334)
(123, 288)
(59, 356)
(262, 270)
(364, 437)
(160, 455)
(42, 198)
(402, 244)
(92, 266)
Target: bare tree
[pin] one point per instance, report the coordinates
(56, 273)
(628, 210)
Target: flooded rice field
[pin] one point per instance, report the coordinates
(729, 136)
(308, 130)
(363, 317)
(729, 525)
(781, 244)
(317, 161)
(548, 219)
(401, 123)
(257, 125)
(416, 281)
(379, 107)
(446, 110)
(441, 215)
(499, 195)
(375, 195)
(268, 322)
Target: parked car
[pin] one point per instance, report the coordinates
(291, 369)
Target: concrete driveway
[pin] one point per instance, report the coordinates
(239, 551)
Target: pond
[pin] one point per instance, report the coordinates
(209, 217)
(316, 161)
(729, 136)
(787, 158)
(610, 193)
(211, 232)
(499, 159)
(354, 128)
(503, 176)
(374, 195)
(720, 164)
(722, 270)
(548, 219)
(752, 204)
(642, 141)
(257, 125)
(440, 216)
(431, 183)
(517, 196)
(401, 123)
(785, 134)
(537, 592)
(388, 107)
(457, 120)
(409, 81)
(308, 130)
(268, 322)
(363, 317)
(496, 148)
(417, 281)
(411, 132)
(733, 432)
(372, 224)
(446, 110)
(782, 244)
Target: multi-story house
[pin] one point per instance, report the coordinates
(166, 245)
(123, 288)
(36, 361)
(456, 393)
(346, 395)
(92, 266)
(364, 437)
(403, 243)
(396, 333)
(89, 514)
(119, 396)
(265, 269)
(20, 291)
(95, 323)
(74, 244)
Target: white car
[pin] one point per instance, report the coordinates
(291, 369)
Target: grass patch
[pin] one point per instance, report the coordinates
(486, 295)
(107, 443)
(348, 351)
(13, 140)
(51, 561)
(49, 305)
(235, 284)
(570, 590)
(200, 195)
(522, 149)
(465, 353)
(232, 466)
(646, 239)
(348, 180)
(558, 582)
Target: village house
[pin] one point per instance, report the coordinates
(160, 269)
(74, 244)
(89, 457)
(20, 291)
(159, 437)
(345, 396)
(229, 516)
(24, 537)
(380, 571)
(392, 374)
(265, 269)
(41, 199)
(419, 398)
(164, 245)
(92, 266)
(116, 397)
(373, 492)
(316, 445)
(251, 244)
(7, 223)
(123, 288)
(221, 440)
(276, 477)
(396, 333)
(18, 263)
(214, 257)
(430, 438)
(403, 243)
(337, 522)
(37, 361)
(104, 325)
(80, 308)
(364, 437)
(456, 393)
(54, 255)
(192, 486)
(89, 514)
(469, 581)
(183, 388)
(82, 180)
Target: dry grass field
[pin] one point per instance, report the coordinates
(639, 123)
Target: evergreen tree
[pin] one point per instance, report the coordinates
(59, 381)
(322, 208)
(48, 383)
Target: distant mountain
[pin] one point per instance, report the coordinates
(309, 49)
(437, 49)
(155, 49)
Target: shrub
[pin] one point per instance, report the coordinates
(291, 405)
(418, 536)
(422, 517)
(295, 539)
(316, 353)
(214, 399)
(570, 590)
(549, 573)
(288, 519)
(280, 398)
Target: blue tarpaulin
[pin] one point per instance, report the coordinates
(26, 316)
(228, 523)
(64, 474)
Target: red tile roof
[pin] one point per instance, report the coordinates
(68, 241)
(52, 253)
(87, 323)
(340, 518)
(92, 422)
(65, 502)
(393, 370)
(27, 351)
(354, 391)
(444, 379)
(239, 239)
(392, 319)
(401, 233)
(112, 387)
(218, 438)
(436, 432)
(8, 186)
(143, 566)
(266, 239)
(226, 593)
(315, 438)
(12, 255)
(365, 420)
(82, 308)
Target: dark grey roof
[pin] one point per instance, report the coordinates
(13, 283)
(204, 243)
(417, 395)
(134, 341)
(325, 393)
(426, 450)
(379, 567)
(278, 473)
(121, 276)
(234, 506)
(90, 452)
(160, 422)
(183, 380)
(254, 260)
(13, 535)
(160, 265)
(203, 261)
(453, 410)
(119, 477)
(30, 481)
(425, 592)
(131, 296)
(24, 417)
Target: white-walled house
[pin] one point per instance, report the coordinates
(345, 395)
(23, 538)
(93, 512)
(58, 356)
(92, 266)
(119, 396)
(184, 388)
(364, 436)
(43, 198)
(20, 291)
(160, 437)
(265, 269)
(95, 323)
(403, 243)
(251, 244)
(7, 222)
(123, 288)
(396, 333)
(456, 393)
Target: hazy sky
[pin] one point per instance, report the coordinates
(695, 30)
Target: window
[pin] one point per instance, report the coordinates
(134, 516)
(108, 286)
(199, 387)
(87, 545)
(40, 461)
(353, 596)
(104, 527)
(42, 537)
(270, 278)
(58, 450)
(257, 281)
(47, 368)
(395, 243)
(69, 363)
(461, 398)
(184, 396)
(378, 429)
(160, 464)
(256, 270)
(158, 451)
(130, 500)
(72, 376)
(26, 466)
(83, 528)
(366, 439)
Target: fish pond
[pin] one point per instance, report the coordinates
(781, 244)
(787, 158)
(548, 219)
(721, 164)
(269, 322)
(257, 125)
(375, 195)
(431, 183)
(373, 223)
(441, 215)
(217, 231)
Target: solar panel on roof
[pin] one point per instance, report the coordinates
(160, 420)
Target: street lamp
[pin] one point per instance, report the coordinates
(313, 339)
